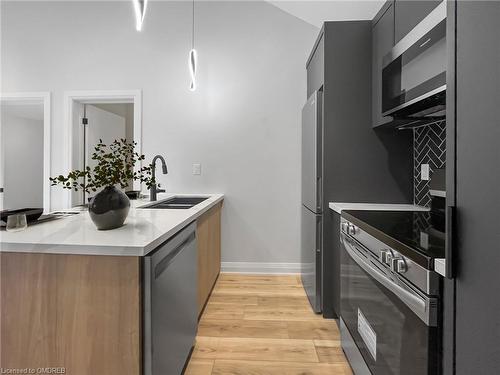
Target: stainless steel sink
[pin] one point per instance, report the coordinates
(177, 203)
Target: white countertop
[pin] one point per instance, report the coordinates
(342, 206)
(144, 230)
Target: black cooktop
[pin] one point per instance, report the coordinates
(418, 235)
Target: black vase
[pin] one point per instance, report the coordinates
(109, 208)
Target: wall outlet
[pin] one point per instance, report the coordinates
(424, 172)
(196, 169)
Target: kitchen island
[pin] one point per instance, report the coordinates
(72, 296)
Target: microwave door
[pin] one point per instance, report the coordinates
(414, 72)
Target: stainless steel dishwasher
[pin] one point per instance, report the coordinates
(170, 304)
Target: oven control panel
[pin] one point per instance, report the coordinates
(349, 228)
(397, 263)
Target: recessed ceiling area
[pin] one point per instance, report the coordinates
(317, 12)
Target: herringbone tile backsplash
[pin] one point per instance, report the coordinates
(429, 147)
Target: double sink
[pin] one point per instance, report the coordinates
(177, 203)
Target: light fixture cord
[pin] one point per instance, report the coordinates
(192, 34)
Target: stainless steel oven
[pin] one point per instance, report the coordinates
(389, 308)
(414, 72)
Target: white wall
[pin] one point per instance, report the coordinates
(242, 124)
(125, 110)
(22, 150)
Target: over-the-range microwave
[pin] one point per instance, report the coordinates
(414, 73)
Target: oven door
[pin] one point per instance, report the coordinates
(383, 324)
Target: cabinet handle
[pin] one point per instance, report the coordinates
(449, 244)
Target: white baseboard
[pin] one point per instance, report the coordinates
(260, 268)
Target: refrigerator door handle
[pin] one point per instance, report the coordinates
(319, 234)
(319, 194)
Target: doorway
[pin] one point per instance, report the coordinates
(95, 116)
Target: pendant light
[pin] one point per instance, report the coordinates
(193, 59)
(140, 11)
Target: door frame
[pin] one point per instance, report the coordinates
(45, 97)
(101, 97)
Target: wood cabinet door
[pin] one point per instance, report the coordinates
(99, 314)
(409, 13)
(202, 238)
(382, 43)
(77, 312)
(28, 311)
(208, 234)
(215, 239)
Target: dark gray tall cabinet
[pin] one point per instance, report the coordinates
(360, 164)
(408, 13)
(471, 306)
(473, 122)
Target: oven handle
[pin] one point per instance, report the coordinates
(424, 307)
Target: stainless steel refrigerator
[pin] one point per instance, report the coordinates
(312, 194)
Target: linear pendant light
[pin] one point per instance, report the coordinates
(193, 60)
(140, 11)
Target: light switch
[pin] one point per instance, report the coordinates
(424, 172)
(196, 169)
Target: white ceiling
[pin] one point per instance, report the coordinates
(316, 12)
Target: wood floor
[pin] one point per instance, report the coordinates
(263, 325)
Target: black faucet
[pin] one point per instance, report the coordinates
(154, 190)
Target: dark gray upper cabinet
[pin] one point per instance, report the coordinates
(409, 13)
(382, 42)
(316, 66)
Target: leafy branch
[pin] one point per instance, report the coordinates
(115, 166)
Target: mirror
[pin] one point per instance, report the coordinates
(24, 151)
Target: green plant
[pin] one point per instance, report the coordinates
(115, 166)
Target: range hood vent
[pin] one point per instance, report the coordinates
(422, 113)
